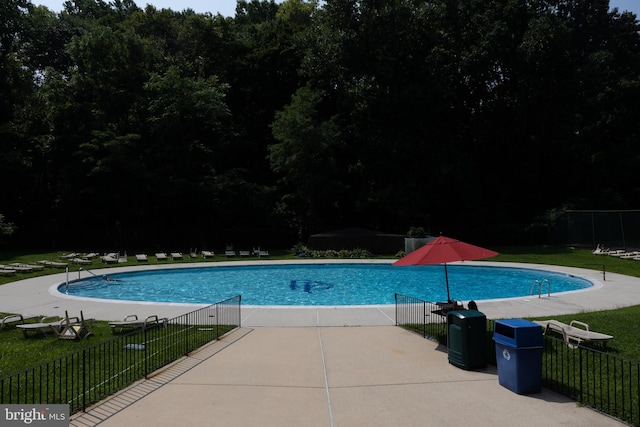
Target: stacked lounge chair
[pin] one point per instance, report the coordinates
(76, 329)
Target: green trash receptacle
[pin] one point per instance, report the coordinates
(519, 345)
(467, 339)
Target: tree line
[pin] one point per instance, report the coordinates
(129, 127)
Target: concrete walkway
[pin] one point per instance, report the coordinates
(327, 376)
(294, 367)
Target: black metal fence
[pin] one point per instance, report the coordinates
(89, 375)
(420, 316)
(594, 378)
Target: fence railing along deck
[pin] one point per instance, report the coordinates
(89, 375)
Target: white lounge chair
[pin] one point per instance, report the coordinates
(245, 253)
(16, 319)
(259, 252)
(69, 256)
(110, 258)
(142, 257)
(229, 251)
(176, 256)
(573, 335)
(208, 254)
(132, 322)
(44, 327)
(90, 255)
(161, 256)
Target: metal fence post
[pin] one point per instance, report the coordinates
(84, 379)
(581, 376)
(146, 356)
(424, 319)
(395, 296)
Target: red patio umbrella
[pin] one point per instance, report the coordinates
(443, 250)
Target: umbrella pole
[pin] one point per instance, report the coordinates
(446, 276)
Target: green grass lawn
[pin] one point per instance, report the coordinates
(18, 353)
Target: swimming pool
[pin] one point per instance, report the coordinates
(319, 284)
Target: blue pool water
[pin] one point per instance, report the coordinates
(320, 284)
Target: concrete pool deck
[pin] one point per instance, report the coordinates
(293, 366)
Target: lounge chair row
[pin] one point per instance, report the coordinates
(619, 253)
(83, 256)
(162, 256)
(114, 258)
(17, 267)
(177, 256)
(574, 333)
(78, 258)
(230, 252)
(71, 327)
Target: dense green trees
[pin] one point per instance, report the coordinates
(122, 127)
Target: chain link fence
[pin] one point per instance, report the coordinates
(616, 229)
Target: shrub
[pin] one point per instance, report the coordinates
(302, 251)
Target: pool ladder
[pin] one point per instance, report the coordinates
(88, 271)
(540, 285)
(66, 288)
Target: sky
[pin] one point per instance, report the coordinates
(228, 7)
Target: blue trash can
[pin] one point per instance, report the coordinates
(519, 355)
